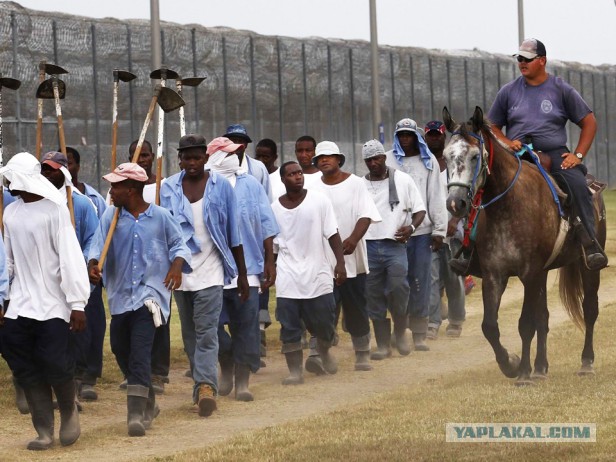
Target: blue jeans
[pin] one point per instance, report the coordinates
(318, 315)
(199, 313)
(131, 336)
(89, 344)
(244, 338)
(443, 276)
(419, 254)
(387, 286)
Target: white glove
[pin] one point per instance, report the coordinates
(156, 311)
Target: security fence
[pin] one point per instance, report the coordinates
(279, 87)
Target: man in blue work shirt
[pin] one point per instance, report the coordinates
(239, 353)
(87, 345)
(204, 205)
(145, 262)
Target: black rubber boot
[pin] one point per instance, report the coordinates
(41, 408)
(401, 343)
(329, 362)
(69, 415)
(382, 335)
(594, 256)
(294, 362)
(20, 398)
(225, 384)
(136, 410)
(242, 376)
(151, 409)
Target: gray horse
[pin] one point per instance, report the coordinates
(515, 236)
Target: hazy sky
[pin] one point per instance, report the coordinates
(572, 30)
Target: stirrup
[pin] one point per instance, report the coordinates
(594, 258)
(460, 266)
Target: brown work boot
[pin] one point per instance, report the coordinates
(207, 400)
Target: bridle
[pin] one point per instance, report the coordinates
(482, 171)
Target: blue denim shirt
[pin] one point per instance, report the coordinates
(86, 222)
(96, 199)
(257, 221)
(139, 258)
(4, 275)
(219, 211)
(257, 169)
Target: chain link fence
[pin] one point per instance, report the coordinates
(279, 87)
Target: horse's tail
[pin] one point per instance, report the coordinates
(571, 290)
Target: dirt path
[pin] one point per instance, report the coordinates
(178, 428)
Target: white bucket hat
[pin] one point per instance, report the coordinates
(327, 148)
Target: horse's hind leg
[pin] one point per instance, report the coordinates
(492, 291)
(591, 281)
(534, 302)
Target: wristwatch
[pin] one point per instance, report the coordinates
(579, 155)
(412, 228)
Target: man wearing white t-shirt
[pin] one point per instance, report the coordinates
(304, 152)
(402, 209)
(305, 279)
(355, 211)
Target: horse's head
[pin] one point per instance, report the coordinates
(467, 161)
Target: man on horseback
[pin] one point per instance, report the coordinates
(538, 105)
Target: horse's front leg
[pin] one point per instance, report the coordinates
(493, 287)
(590, 305)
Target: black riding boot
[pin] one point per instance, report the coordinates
(594, 256)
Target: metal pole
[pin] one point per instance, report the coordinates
(305, 85)
(224, 79)
(430, 85)
(17, 98)
(376, 88)
(352, 91)
(96, 121)
(393, 86)
(280, 105)
(253, 88)
(520, 21)
(330, 94)
(131, 96)
(155, 34)
(195, 94)
(412, 75)
(54, 33)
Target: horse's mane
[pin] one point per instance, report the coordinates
(486, 129)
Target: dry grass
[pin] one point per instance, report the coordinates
(409, 424)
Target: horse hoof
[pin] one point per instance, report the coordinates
(539, 376)
(524, 382)
(511, 368)
(586, 371)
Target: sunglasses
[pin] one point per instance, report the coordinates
(522, 59)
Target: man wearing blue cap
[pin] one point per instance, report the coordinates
(411, 155)
(443, 277)
(238, 134)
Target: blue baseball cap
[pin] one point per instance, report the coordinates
(237, 130)
(435, 125)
